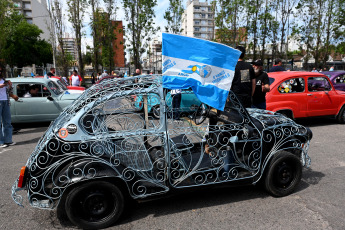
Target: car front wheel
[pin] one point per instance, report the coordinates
(94, 205)
(341, 116)
(283, 175)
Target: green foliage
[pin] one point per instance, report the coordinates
(141, 26)
(173, 15)
(22, 45)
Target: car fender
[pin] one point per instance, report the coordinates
(283, 105)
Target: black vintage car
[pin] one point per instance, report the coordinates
(102, 149)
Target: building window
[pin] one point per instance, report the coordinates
(28, 13)
(203, 15)
(17, 4)
(203, 35)
(196, 15)
(209, 9)
(203, 22)
(196, 7)
(197, 22)
(196, 28)
(27, 5)
(29, 21)
(210, 16)
(210, 23)
(197, 35)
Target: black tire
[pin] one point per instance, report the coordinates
(341, 115)
(283, 175)
(156, 111)
(286, 113)
(94, 205)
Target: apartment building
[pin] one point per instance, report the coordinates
(35, 12)
(198, 20)
(70, 46)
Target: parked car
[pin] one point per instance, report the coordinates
(337, 78)
(189, 103)
(45, 106)
(305, 94)
(102, 151)
(71, 89)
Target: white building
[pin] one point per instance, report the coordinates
(70, 46)
(35, 12)
(198, 20)
(155, 56)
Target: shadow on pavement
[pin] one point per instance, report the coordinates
(316, 121)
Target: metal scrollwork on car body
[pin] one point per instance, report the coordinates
(130, 129)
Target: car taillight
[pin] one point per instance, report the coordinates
(22, 177)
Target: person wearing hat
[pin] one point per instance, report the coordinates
(277, 66)
(262, 85)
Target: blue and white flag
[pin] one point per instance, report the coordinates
(125, 74)
(206, 67)
(32, 74)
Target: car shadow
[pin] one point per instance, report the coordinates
(195, 200)
(316, 121)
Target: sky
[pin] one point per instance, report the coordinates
(161, 7)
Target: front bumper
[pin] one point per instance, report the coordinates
(18, 199)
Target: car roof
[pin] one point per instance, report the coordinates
(333, 73)
(28, 80)
(279, 76)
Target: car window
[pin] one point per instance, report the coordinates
(32, 90)
(62, 86)
(293, 85)
(271, 80)
(55, 88)
(318, 84)
(340, 79)
(123, 114)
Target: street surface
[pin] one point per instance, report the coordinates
(318, 203)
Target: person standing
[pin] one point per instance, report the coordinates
(244, 80)
(262, 85)
(75, 79)
(277, 66)
(176, 103)
(5, 112)
(52, 72)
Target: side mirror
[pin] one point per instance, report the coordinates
(50, 98)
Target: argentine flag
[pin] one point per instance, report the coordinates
(206, 67)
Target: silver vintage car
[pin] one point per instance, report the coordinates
(45, 104)
(102, 151)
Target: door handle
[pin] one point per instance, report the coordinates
(20, 100)
(309, 94)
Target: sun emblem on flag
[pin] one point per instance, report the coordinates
(203, 71)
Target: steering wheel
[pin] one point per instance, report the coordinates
(201, 114)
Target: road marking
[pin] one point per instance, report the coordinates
(5, 150)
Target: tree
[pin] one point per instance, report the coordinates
(76, 10)
(22, 45)
(141, 26)
(57, 31)
(95, 33)
(173, 15)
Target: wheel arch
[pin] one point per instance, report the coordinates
(287, 112)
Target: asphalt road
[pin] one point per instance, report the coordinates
(318, 203)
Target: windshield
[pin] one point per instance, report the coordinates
(55, 88)
(62, 85)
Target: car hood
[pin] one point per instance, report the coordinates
(268, 118)
(69, 96)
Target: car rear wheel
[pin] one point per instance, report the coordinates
(283, 175)
(341, 115)
(94, 205)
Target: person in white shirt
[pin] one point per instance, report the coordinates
(75, 79)
(5, 112)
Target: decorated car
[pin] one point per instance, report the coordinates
(337, 78)
(305, 94)
(102, 151)
(47, 102)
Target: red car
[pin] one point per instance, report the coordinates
(305, 94)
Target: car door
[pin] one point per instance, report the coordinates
(339, 82)
(38, 108)
(320, 97)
